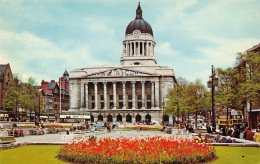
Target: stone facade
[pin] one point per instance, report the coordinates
(133, 91)
(5, 76)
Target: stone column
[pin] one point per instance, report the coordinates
(124, 97)
(123, 118)
(143, 94)
(114, 94)
(152, 96)
(157, 89)
(105, 95)
(142, 48)
(96, 96)
(133, 95)
(86, 96)
(82, 95)
(131, 47)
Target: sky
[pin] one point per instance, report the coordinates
(43, 38)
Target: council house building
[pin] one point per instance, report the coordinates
(133, 91)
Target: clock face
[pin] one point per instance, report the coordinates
(137, 33)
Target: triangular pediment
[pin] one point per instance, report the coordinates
(119, 72)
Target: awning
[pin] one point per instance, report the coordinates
(4, 115)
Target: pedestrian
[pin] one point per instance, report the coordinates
(249, 135)
(224, 131)
(208, 129)
(245, 133)
(108, 128)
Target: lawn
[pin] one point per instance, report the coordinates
(46, 154)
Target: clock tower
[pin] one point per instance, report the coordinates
(138, 46)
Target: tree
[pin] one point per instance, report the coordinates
(32, 97)
(12, 97)
(176, 103)
(227, 89)
(22, 95)
(196, 100)
(249, 85)
(187, 97)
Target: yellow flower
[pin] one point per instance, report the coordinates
(147, 134)
(197, 141)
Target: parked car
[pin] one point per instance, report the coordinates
(99, 124)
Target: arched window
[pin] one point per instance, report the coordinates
(109, 118)
(129, 118)
(100, 118)
(119, 118)
(138, 118)
(148, 118)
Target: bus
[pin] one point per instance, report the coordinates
(234, 118)
(74, 116)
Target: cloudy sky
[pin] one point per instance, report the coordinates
(43, 38)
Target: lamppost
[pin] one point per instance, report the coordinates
(163, 113)
(213, 81)
(177, 100)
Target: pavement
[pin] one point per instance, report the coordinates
(63, 138)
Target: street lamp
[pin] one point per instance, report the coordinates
(163, 113)
(213, 81)
(177, 100)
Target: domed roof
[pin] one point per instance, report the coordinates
(139, 24)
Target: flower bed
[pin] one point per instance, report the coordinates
(136, 150)
(26, 126)
(145, 127)
(53, 125)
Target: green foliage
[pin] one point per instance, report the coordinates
(226, 94)
(22, 95)
(12, 97)
(240, 84)
(187, 97)
(249, 69)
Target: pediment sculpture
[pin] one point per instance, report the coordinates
(117, 72)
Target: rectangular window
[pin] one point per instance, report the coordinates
(149, 97)
(120, 105)
(149, 106)
(130, 105)
(129, 97)
(93, 106)
(139, 105)
(102, 105)
(139, 97)
(111, 105)
(120, 97)
(111, 97)
(93, 97)
(102, 97)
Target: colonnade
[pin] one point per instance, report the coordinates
(85, 94)
(139, 48)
